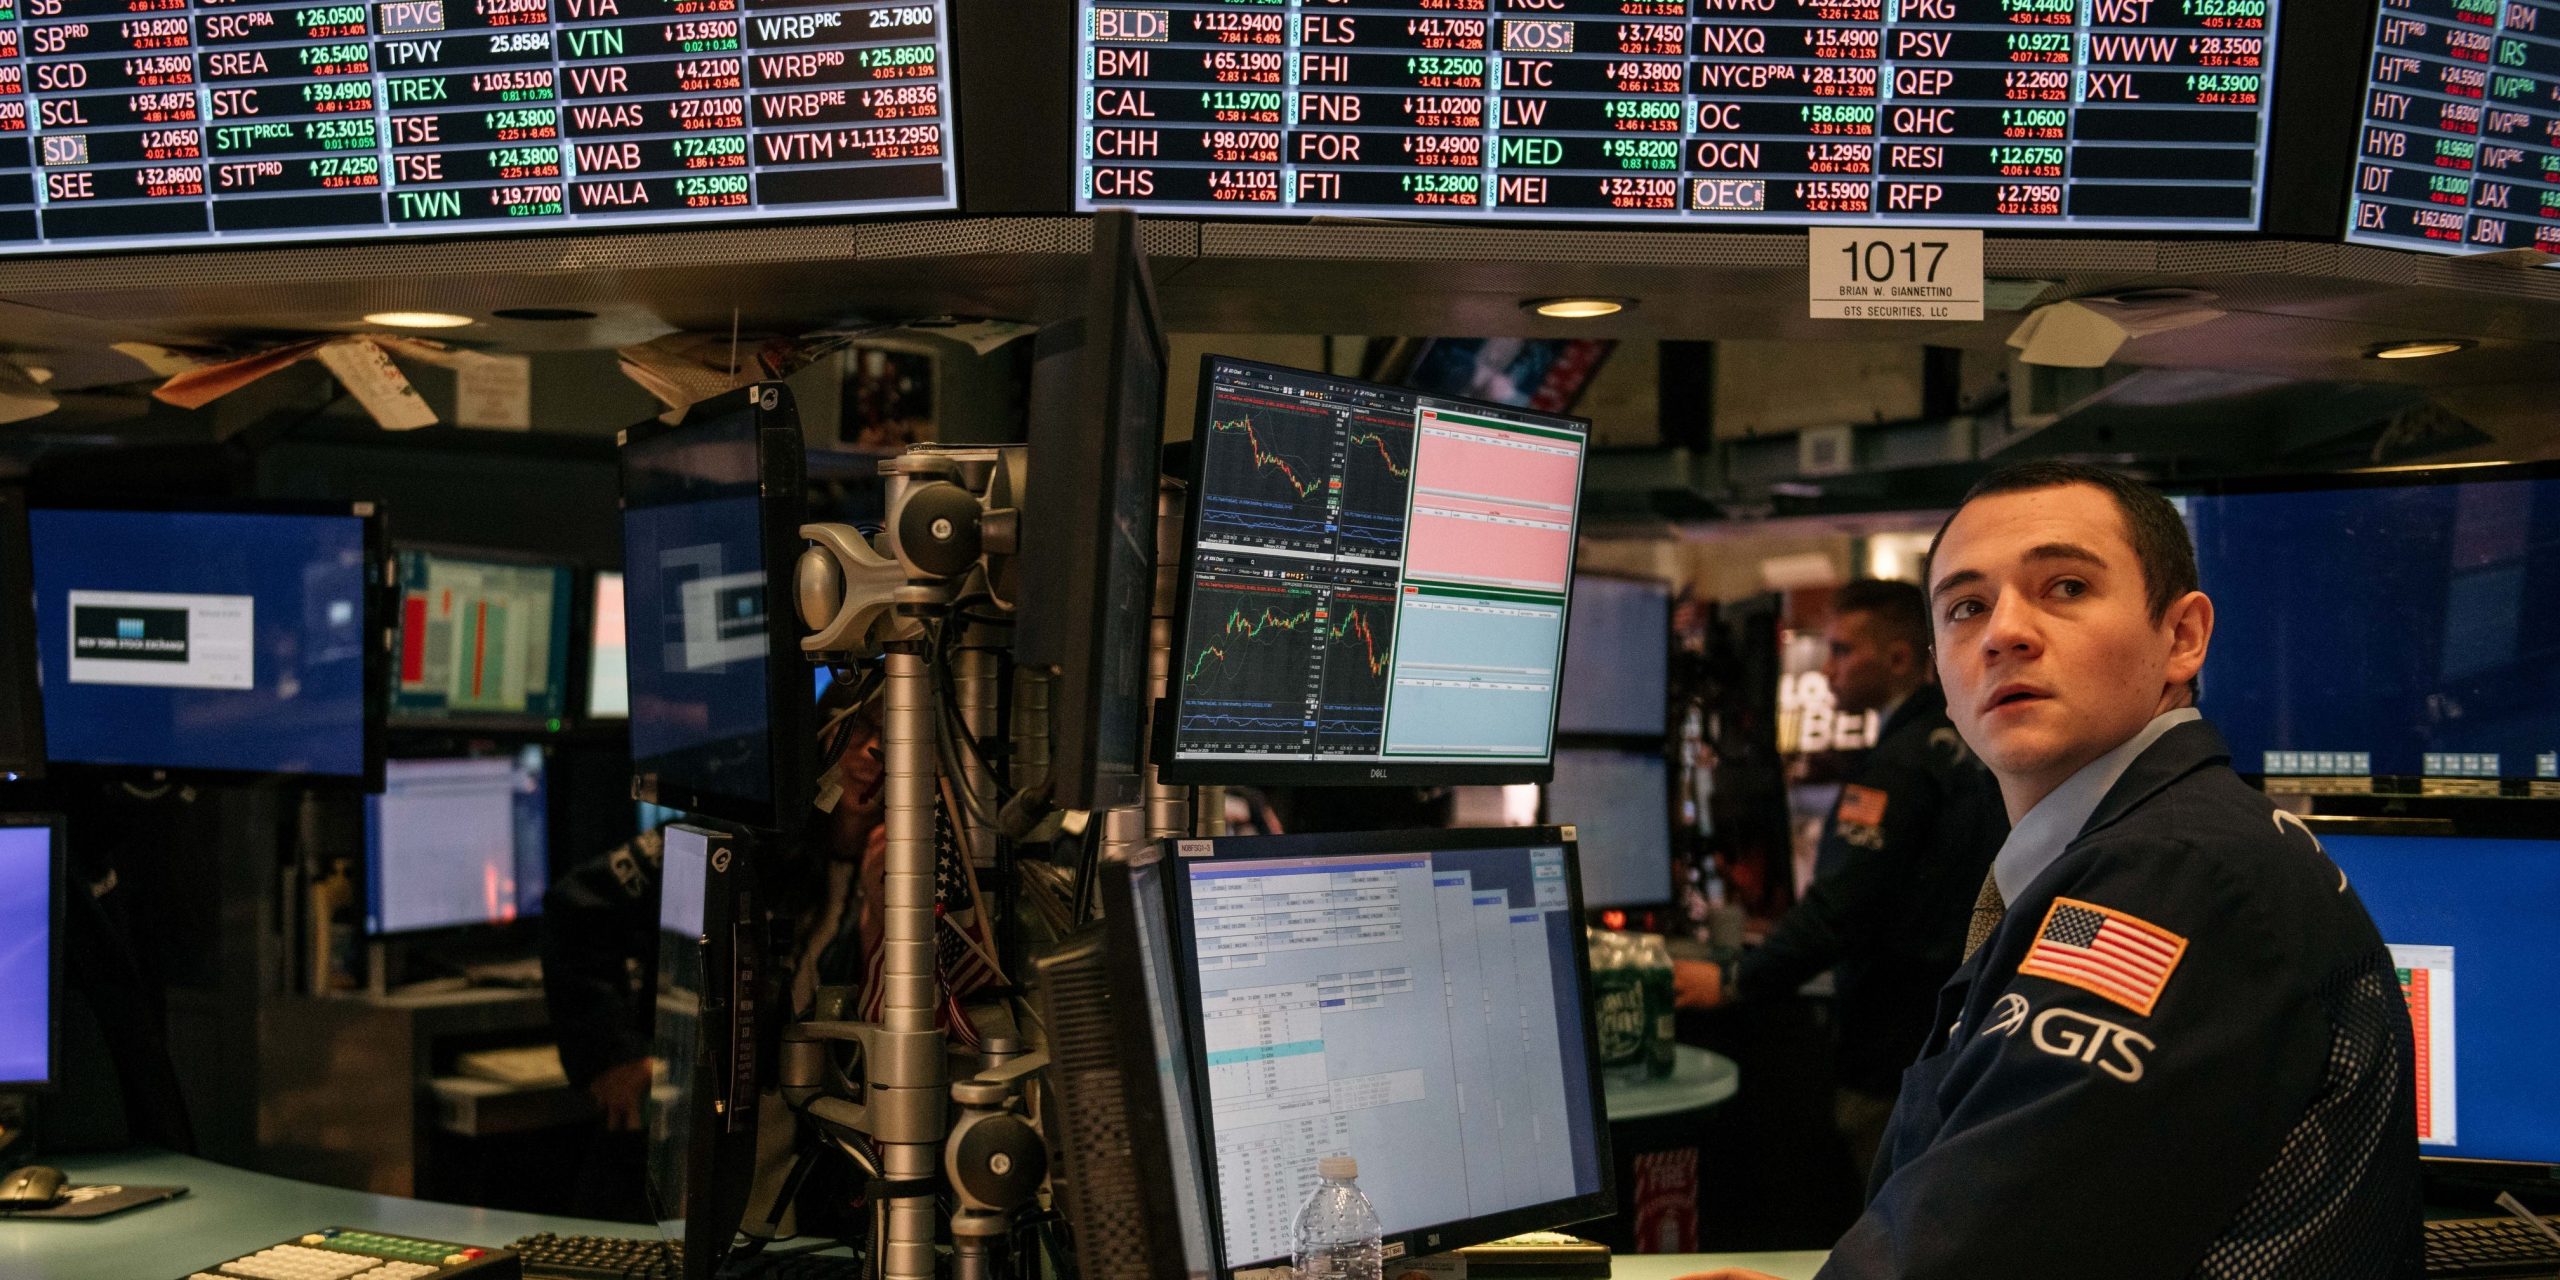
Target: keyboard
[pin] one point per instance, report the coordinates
(2489, 1247)
(557, 1257)
(340, 1253)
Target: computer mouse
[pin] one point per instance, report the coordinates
(31, 1187)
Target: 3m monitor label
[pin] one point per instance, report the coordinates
(161, 640)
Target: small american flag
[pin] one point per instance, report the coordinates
(2122, 958)
(965, 947)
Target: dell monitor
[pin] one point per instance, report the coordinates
(1089, 521)
(2401, 634)
(2469, 926)
(231, 643)
(608, 657)
(1617, 666)
(1619, 804)
(1374, 585)
(711, 515)
(30, 950)
(484, 641)
(701, 1115)
(1414, 1000)
(21, 687)
(455, 842)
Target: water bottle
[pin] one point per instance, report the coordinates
(1338, 1230)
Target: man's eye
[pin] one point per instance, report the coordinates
(1963, 609)
(2072, 588)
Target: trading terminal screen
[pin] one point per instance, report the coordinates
(27, 955)
(1421, 1012)
(1375, 577)
(2459, 150)
(169, 124)
(1619, 803)
(2406, 631)
(2469, 925)
(1617, 668)
(481, 638)
(609, 654)
(2131, 114)
(456, 842)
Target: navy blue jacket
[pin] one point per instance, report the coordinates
(2250, 1114)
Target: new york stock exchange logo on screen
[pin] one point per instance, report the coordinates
(129, 634)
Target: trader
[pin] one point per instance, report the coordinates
(2179, 1048)
(1902, 854)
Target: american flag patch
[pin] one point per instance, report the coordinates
(1864, 805)
(2123, 958)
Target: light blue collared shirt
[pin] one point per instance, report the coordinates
(2055, 821)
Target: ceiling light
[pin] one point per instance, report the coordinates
(417, 319)
(1577, 308)
(2417, 350)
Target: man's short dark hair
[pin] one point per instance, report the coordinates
(1899, 608)
(2159, 537)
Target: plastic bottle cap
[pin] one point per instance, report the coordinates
(1337, 1167)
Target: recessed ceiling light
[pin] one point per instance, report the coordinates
(542, 313)
(2419, 350)
(417, 319)
(1577, 308)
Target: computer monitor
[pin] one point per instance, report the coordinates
(21, 688)
(1617, 664)
(220, 643)
(1132, 1180)
(608, 658)
(454, 842)
(701, 1114)
(1374, 587)
(2469, 925)
(2399, 631)
(1089, 521)
(1619, 803)
(30, 950)
(484, 640)
(1414, 1000)
(711, 515)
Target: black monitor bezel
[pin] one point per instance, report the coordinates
(467, 928)
(1439, 1237)
(720, 1161)
(57, 899)
(1633, 746)
(1244, 771)
(1670, 602)
(17, 564)
(400, 722)
(781, 501)
(377, 649)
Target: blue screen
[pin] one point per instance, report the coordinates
(2413, 629)
(2492, 903)
(26, 955)
(200, 640)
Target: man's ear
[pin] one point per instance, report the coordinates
(2189, 622)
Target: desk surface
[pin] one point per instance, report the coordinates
(228, 1212)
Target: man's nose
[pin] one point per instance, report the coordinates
(2013, 627)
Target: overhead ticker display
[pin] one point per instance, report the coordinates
(2128, 114)
(190, 123)
(2460, 149)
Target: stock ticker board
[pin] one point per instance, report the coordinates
(2127, 114)
(2460, 150)
(190, 123)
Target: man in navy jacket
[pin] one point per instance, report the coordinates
(2178, 1045)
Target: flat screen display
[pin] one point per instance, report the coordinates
(1617, 662)
(1619, 804)
(233, 642)
(2459, 148)
(1428, 1022)
(697, 529)
(481, 639)
(29, 952)
(2469, 924)
(2112, 114)
(2407, 631)
(456, 842)
(609, 655)
(181, 125)
(1376, 582)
